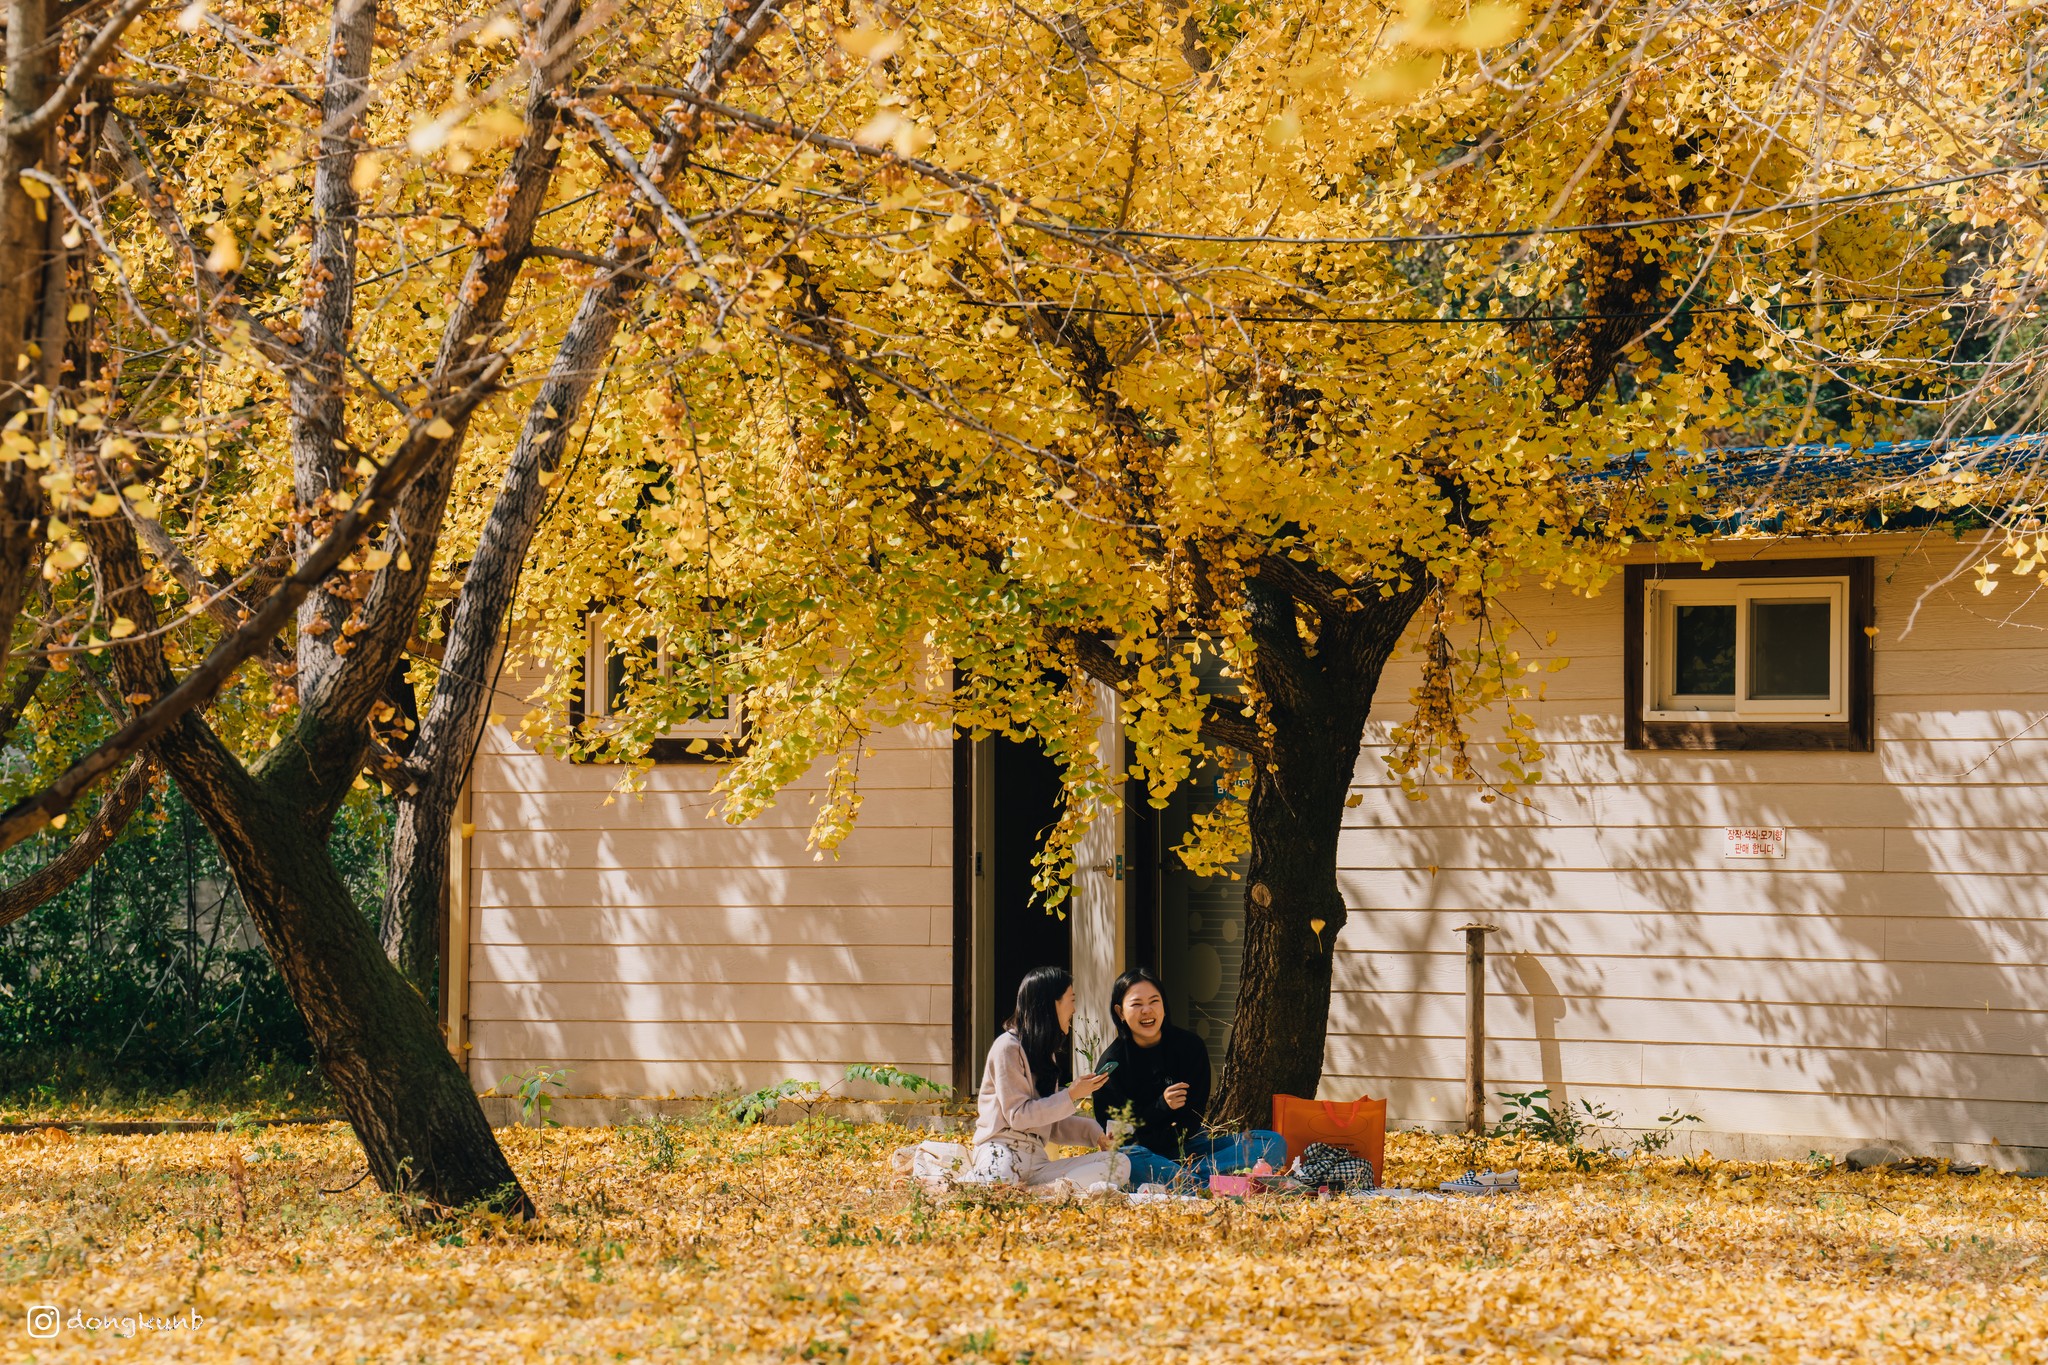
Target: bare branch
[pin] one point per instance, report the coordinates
(617, 153)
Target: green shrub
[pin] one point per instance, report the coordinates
(145, 979)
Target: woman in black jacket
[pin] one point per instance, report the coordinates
(1159, 1079)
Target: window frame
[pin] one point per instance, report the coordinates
(1842, 723)
(723, 739)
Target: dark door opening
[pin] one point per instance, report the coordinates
(1201, 924)
(1025, 801)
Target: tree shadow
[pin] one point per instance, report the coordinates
(1873, 984)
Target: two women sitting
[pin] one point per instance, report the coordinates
(1154, 1074)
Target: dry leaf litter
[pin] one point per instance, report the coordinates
(710, 1242)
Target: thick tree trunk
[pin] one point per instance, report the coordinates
(29, 79)
(377, 1041)
(375, 1037)
(1317, 701)
(416, 898)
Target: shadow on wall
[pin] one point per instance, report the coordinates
(1546, 1009)
(1875, 983)
(652, 949)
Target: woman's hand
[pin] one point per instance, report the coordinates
(1176, 1095)
(1081, 1087)
(1105, 1142)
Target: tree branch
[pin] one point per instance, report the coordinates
(223, 604)
(444, 747)
(344, 688)
(1229, 730)
(81, 853)
(81, 71)
(454, 717)
(1307, 581)
(164, 214)
(198, 687)
(25, 687)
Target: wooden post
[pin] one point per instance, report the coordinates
(1475, 1025)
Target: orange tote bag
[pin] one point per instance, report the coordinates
(1358, 1126)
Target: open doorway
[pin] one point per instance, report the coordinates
(1134, 902)
(1201, 923)
(1017, 799)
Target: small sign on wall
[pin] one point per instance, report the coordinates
(1752, 843)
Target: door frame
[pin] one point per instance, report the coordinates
(1106, 854)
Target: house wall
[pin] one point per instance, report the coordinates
(654, 950)
(1885, 980)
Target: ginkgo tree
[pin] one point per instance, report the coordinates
(271, 285)
(1096, 347)
(962, 355)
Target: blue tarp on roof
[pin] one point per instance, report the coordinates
(1884, 485)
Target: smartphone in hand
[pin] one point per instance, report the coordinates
(1104, 1068)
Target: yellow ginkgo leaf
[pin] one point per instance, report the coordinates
(871, 42)
(369, 169)
(226, 255)
(1490, 25)
(1398, 82)
(121, 629)
(881, 130)
(1284, 129)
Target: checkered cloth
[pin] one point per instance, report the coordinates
(1324, 1165)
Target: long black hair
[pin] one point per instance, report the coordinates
(1036, 1022)
(1122, 988)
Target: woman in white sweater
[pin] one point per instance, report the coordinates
(1023, 1106)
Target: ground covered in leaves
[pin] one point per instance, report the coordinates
(712, 1242)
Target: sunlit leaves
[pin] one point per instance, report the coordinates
(691, 1238)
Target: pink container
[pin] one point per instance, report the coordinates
(1260, 1177)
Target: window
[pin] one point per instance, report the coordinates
(613, 667)
(1764, 655)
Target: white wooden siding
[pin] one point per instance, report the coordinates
(653, 949)
(1888, 978)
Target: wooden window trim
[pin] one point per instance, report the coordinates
(666, 750)
(1857, 734)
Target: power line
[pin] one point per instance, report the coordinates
(1391, 239)
(1504, 234)
(1505, 320)
(1388, 239)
